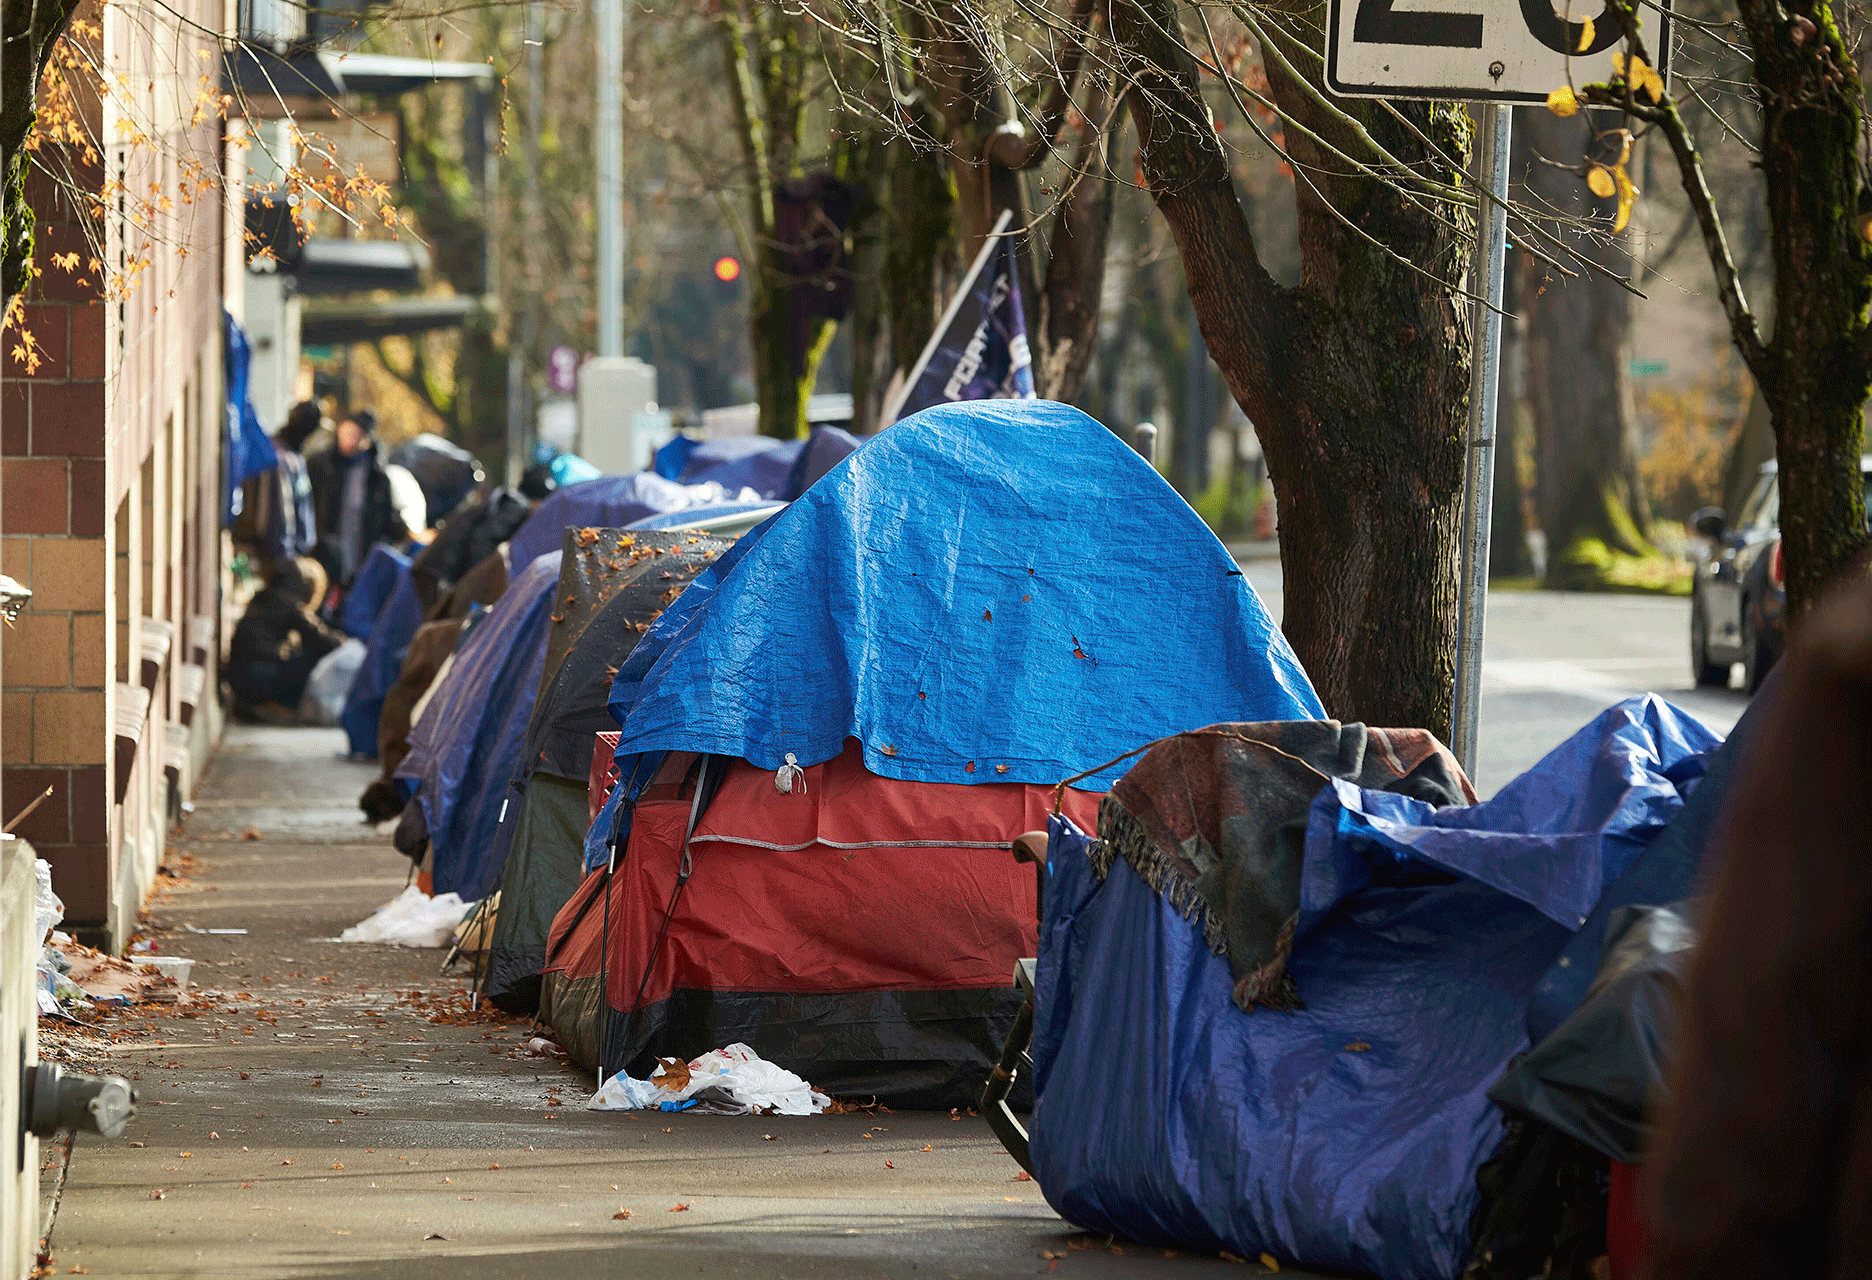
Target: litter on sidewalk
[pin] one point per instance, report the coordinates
(731, 1082)
(412, 919)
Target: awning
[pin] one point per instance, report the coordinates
(367, 322)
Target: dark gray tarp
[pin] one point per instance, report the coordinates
(612, 585)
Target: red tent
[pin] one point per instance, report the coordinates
(858, 930)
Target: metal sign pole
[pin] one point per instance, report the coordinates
(1479, 461)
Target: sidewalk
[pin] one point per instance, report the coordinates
(311, 1119)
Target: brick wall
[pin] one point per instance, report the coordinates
(53, 512)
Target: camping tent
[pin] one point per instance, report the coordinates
(612, 585)
(611, 502)
(976, 615)
(1346, 1134)
(782, 469)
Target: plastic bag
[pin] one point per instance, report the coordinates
(730, 1081)
(330, 683)
(48, 908)
(411, 919)
(1602, 1074)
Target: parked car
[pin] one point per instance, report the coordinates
(1738, 598)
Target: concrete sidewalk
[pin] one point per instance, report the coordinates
(306, 1117)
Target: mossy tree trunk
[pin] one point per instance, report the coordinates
(1589, 499)
(1356, 379)
(768, 62)
(1815, 370)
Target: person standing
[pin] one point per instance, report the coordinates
(351, 498)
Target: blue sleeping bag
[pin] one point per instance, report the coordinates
(1345, 1136)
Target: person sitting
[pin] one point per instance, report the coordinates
(352, 496)
(277, 643)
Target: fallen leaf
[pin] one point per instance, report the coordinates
(435, 1235)
(969, 767)
(926, 1146)
(889, 1165)
(245, 1075)
(336, 1165)
(1267, 1260)
(987, 615)
(492, 1168)
(1022, 1176)
(889, 751)
(159, 1194)
(213, 1136)
(251, 833)
(767, 1137)
(286, 1161)
(448, 1179)
(1357, 1046)
(1001, 768)
(620, 1214)
(76, 1270)
(136, 1144)
(679, 1208)
(1226, 1256)
(674, 1076)
(186, 1155)
(669, 1131)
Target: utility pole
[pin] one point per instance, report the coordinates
(610, 278)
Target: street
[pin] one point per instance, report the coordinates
(1555, 659)
(331, 1110)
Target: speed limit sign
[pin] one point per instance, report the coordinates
(1473, 50)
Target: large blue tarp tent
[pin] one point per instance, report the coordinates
(609, 502)
(389, 640)
(463, 748)
(782, 469)
(967, 605)
(376, 582)
(1346, 1135)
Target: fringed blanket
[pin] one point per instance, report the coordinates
(1215, 821)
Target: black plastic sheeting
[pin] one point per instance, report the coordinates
(914, 1050)
(447, 472)
(612, 584)
(608, 595)
(1603, 1070)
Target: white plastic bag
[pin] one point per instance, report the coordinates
(737, 1070)
(330, 684)
(48, 908)
(412, 919)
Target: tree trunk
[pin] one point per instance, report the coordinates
(1509, 556)
(1356, 379)
(1821, 354)
(1589, 498)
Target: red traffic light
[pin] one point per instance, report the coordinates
(727, 269)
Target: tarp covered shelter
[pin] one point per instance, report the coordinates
(610, 502)
(462, 748)
(376, 581)
(1346, 1135)
(974, 614)
(612, 585)
(782, 469)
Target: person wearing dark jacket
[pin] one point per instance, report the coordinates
(352, 499)
(277, 643)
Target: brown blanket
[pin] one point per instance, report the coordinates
(1215, 821)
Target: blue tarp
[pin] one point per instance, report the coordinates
(462, 750)
(250, 451)
(990, 591)
(825, 448)
(376, 582)
(760, 463)
(609, 502)
(1345, 1136)
(384, 650)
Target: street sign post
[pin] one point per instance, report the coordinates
(1492, 53)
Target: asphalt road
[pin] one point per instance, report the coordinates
(1553, 660)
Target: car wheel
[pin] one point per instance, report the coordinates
(1707, 673)
(1756, 660)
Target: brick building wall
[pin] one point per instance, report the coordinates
(110, 482)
